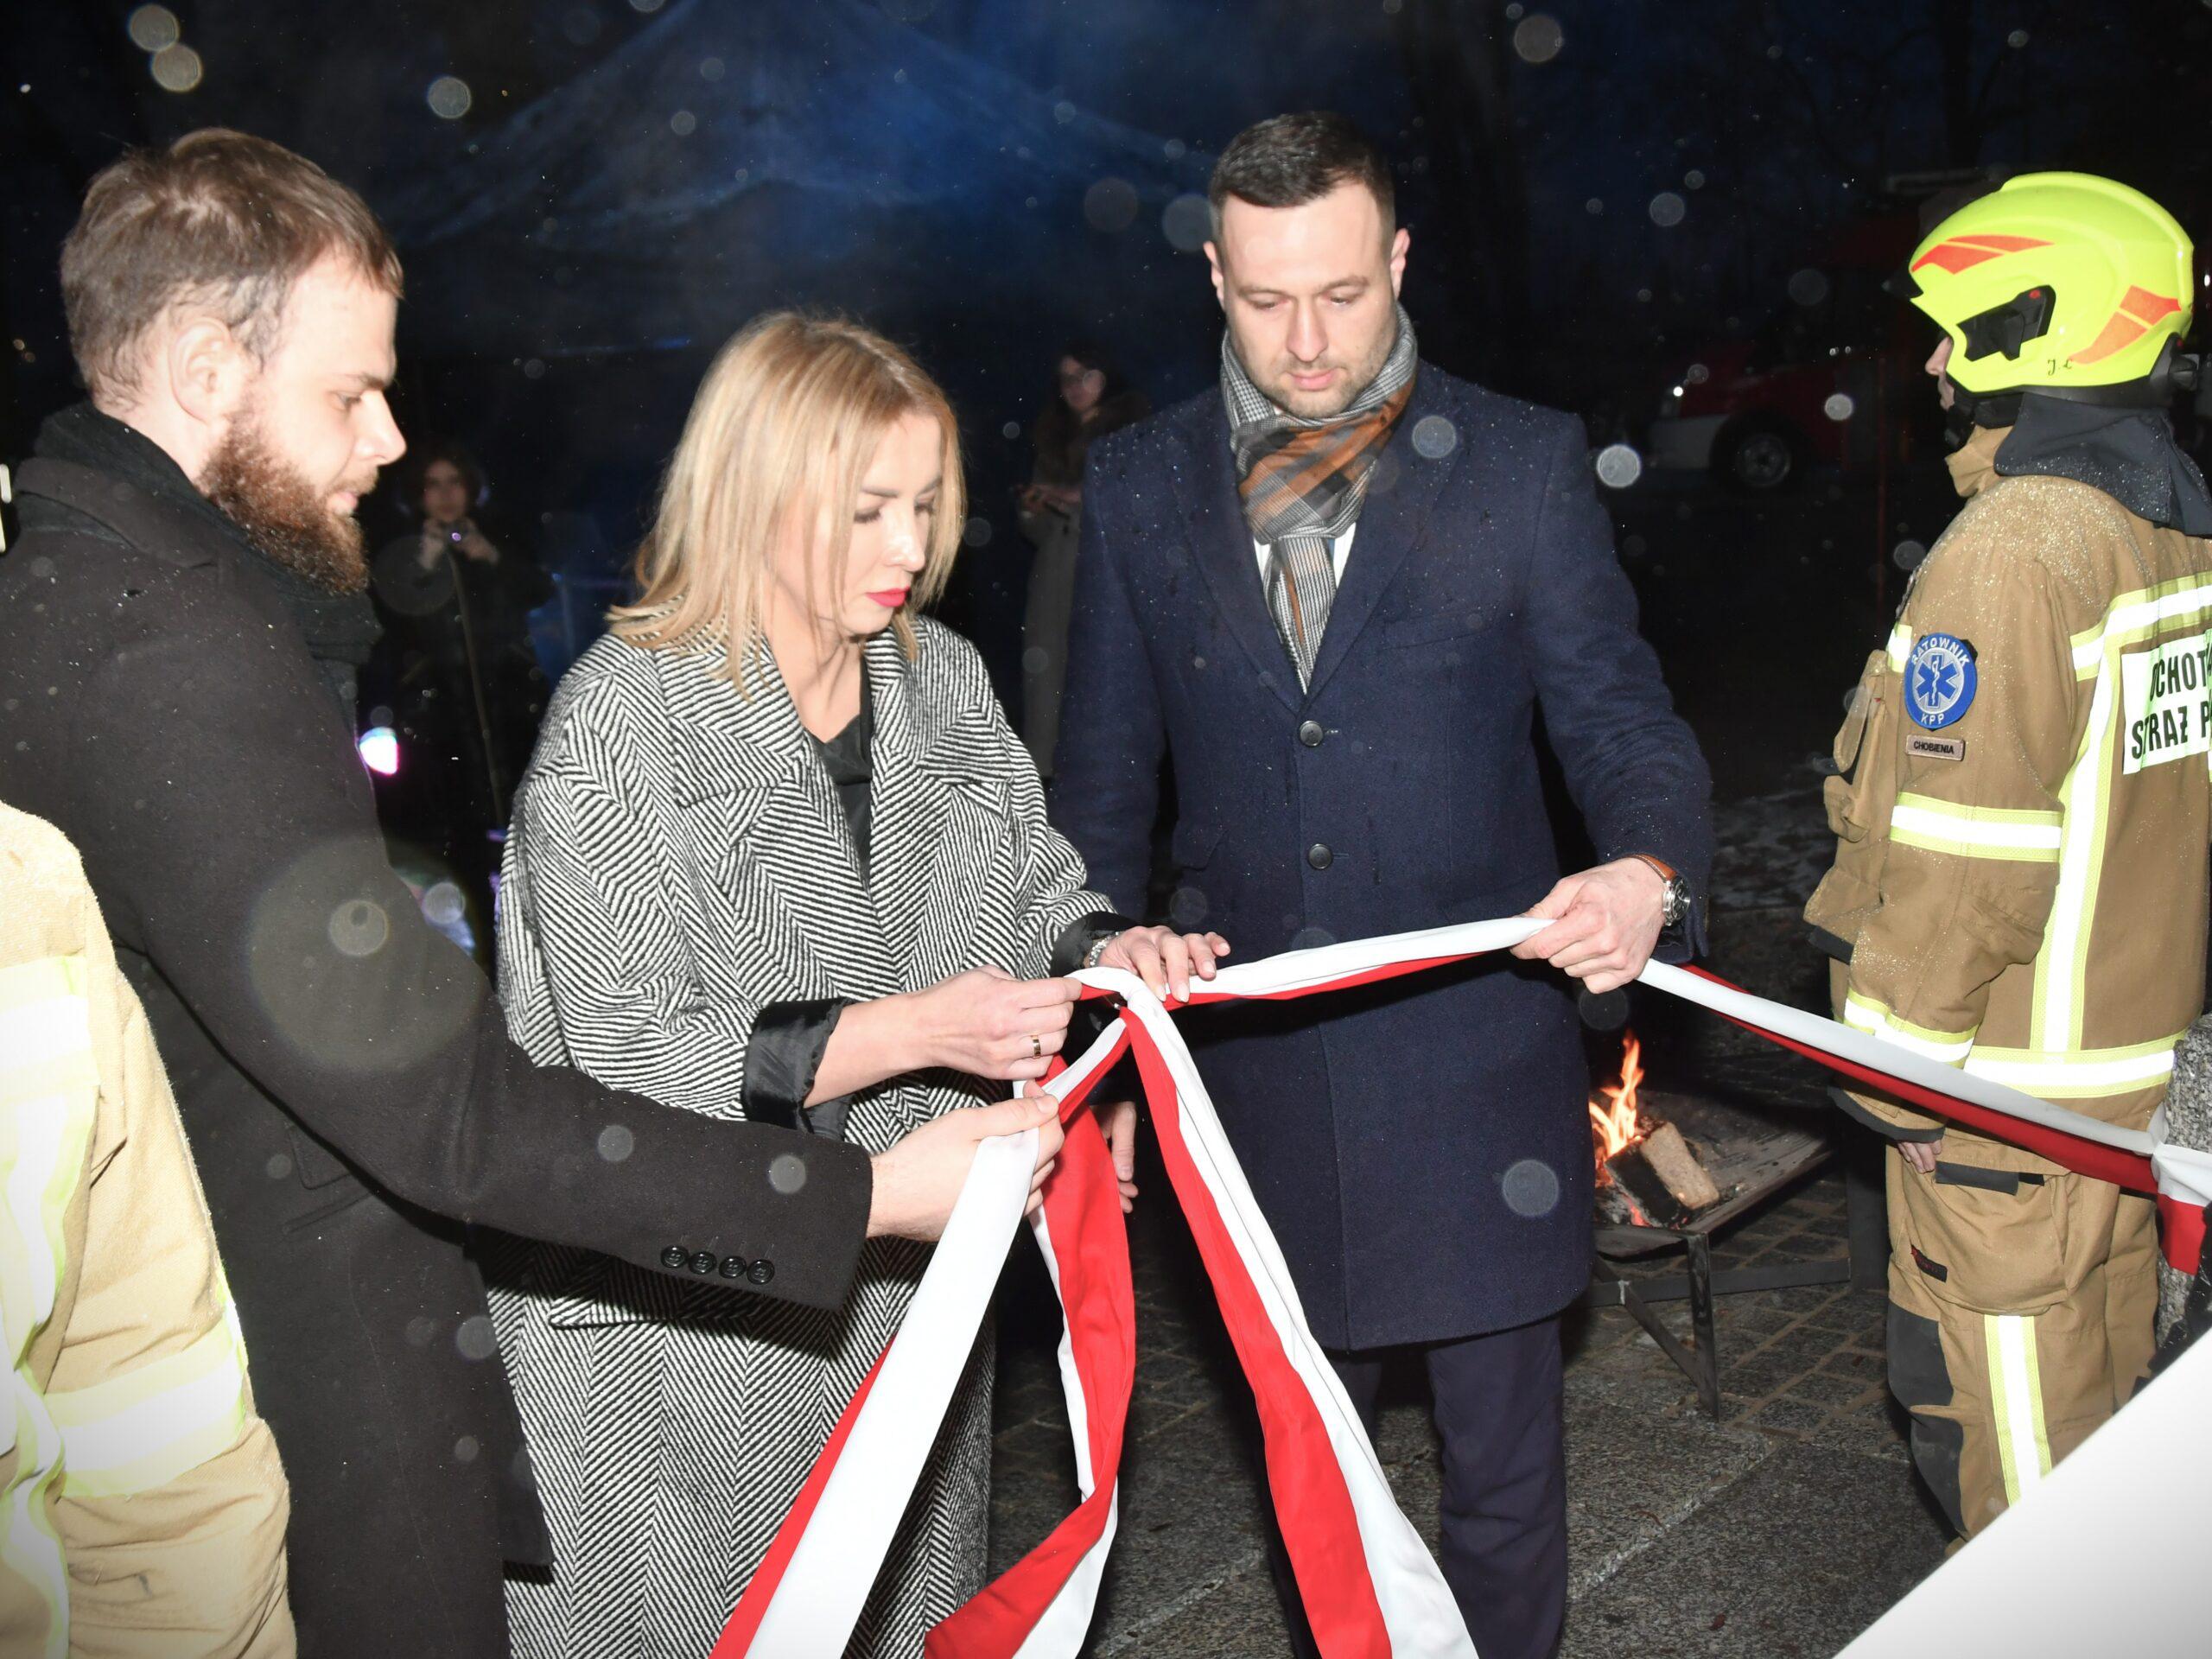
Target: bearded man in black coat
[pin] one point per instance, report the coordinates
(179, 630)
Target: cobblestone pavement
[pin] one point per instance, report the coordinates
(1784, 1529)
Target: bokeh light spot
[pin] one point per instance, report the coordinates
(449, 97)
(684, 124)
(1187, 907)
(1434, 437)
(153, 28)
(616, 1143)
(1187, 222)
(1666, 209)
(1531, 1188)
(443, 903)
(360, 927)
(787, 1174)
(1808, 287)
(1603, 1010)
(977, 532)
(1110, 205)
(1619, 465)
(379, 747)
(177, 68)
(1908, 554)
(1537, 38)
(1839, 406)
(475, 1337)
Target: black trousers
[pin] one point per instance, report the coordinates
(1504, 1500)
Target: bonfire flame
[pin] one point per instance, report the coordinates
(1613, 1124)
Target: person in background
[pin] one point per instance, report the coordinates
(1089, 402)
(177, 629)
(145, 1502)
(456, 668)
(779, 859)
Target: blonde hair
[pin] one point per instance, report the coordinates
(784, 425)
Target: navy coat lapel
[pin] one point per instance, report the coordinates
(1391, 524)
(1221, 543)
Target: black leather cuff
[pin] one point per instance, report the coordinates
(785, 1056)
(1077, 938)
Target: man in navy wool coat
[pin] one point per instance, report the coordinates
(1336, 592)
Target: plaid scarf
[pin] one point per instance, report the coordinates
(1302, 481)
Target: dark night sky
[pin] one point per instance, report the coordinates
(926, 163)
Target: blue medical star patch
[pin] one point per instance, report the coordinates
(1939, 680)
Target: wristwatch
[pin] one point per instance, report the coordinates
(1675, 897)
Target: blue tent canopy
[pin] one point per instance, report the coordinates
(731, 157)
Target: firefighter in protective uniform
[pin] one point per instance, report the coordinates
(2021, 815)
(145, 1503)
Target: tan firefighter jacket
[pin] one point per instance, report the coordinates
(2021, 886)
(145, 1506)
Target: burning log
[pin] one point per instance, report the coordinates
(1663, 1176)
(1651, 1171)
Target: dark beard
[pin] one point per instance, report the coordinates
(281, 513)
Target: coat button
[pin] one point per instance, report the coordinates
(761, 1271)
(1319, 856)
(1311, 734)
(675, 1256)
(703, 1262)
(732, 1267)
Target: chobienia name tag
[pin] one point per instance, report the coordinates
(1929, 746)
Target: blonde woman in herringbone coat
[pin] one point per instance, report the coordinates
(780, 857)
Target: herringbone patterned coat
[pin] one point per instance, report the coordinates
(678, 862)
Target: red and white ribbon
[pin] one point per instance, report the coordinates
(1370, 1589)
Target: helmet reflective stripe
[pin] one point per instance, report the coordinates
(1963, 253)
(2110, 272)
(2139, 312)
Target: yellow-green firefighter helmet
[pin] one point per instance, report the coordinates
(2057, 280)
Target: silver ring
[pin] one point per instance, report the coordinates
(1036, 1046)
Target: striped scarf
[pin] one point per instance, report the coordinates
(1302, 481)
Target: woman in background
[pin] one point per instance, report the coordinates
(1089, 401)
(455, 667)
(778, 857)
